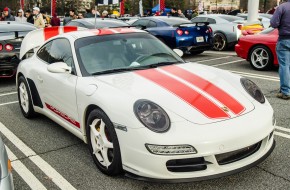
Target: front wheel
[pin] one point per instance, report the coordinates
(24, 98)
(261, 58)
(103, 143)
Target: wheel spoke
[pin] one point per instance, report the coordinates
(93, 128)
(102, 129)
(105, 157)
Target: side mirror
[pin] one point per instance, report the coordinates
(59, 67)
(178, 52)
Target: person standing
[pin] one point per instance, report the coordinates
(29, 16)
(20, 16)
(7, 15)
(80, 16)
(174, 12)
(72, 14)
(281, 20)
(55, 21)
(38, 19)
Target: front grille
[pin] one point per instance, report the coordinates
(187, 165)
(230, 157)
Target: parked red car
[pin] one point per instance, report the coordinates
(259, 49)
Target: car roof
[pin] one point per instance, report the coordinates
(167, 19)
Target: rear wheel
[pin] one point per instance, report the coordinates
(103, 143)
(261, 58)
(219, 42)
(24, 98)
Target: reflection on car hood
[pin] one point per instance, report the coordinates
(192, 91)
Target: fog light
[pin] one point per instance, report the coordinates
(170, 149)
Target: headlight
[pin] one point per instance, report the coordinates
(253, 90)
(152, 116)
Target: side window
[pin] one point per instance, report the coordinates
(60, 51)
(43, 52)
(151, 24)
(141, 22)
(211, 21)
(200, 19)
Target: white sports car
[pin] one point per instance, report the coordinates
(141, 109)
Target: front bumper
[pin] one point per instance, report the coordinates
(183, 180)
(210, 140)
(8, 64)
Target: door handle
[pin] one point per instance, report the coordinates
(40, 79)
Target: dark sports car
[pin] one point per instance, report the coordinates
(11, 35)
(100, 23)
(178, 33)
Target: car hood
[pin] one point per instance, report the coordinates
(197, 93)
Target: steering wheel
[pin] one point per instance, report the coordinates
(145, 57)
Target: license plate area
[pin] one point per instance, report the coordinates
(199, 39)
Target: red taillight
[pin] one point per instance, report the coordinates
(9, 47)
(179, 32)
(186, 32)
(209, 30)
(1, 47)
(240, 26)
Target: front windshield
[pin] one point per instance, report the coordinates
(121, 52)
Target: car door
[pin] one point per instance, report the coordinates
(57, 90)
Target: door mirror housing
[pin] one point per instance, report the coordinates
(178, 52)
(59, 67)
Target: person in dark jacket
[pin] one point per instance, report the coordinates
(281, 20)
(29, 16)
(7, 14)
(66, 19)
(174, 12)
(55, 21)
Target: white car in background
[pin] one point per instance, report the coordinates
(143, 110)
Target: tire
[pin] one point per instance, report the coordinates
(24, 98)
(261, 58)
(219, 42)
(104, 142)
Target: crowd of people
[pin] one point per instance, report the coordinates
(41, 20)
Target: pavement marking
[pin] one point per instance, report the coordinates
(220, 53)
(227, 63)
(58, 179)
(8, 103)
(6, 94)
(206, 60)
(282, 135)
(252, 75)
(23, 172)
(283, 129)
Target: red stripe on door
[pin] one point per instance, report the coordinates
(50, 32)
(189, 95)
(208, 87)
(69, 29)
(63, 115)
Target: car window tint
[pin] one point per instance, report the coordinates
(199, 19)
(72, 23)
(60, 51)
(211, 21)
(151, 24)
(230, 18)
(141, 22)
(43, 52)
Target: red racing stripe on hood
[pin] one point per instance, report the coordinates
(219, 94)
(184, 92)
(50, 32)
(69, 29)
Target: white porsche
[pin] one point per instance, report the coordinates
(142, 109)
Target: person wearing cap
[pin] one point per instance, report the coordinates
(38, 18)
(105, 14)
(7, 15)
(20, 16)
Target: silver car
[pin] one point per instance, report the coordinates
(264, 18)
(6, 182)
(225, 28)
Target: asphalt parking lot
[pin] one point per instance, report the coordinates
(46, 156)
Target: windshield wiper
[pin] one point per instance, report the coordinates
(135, 68)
